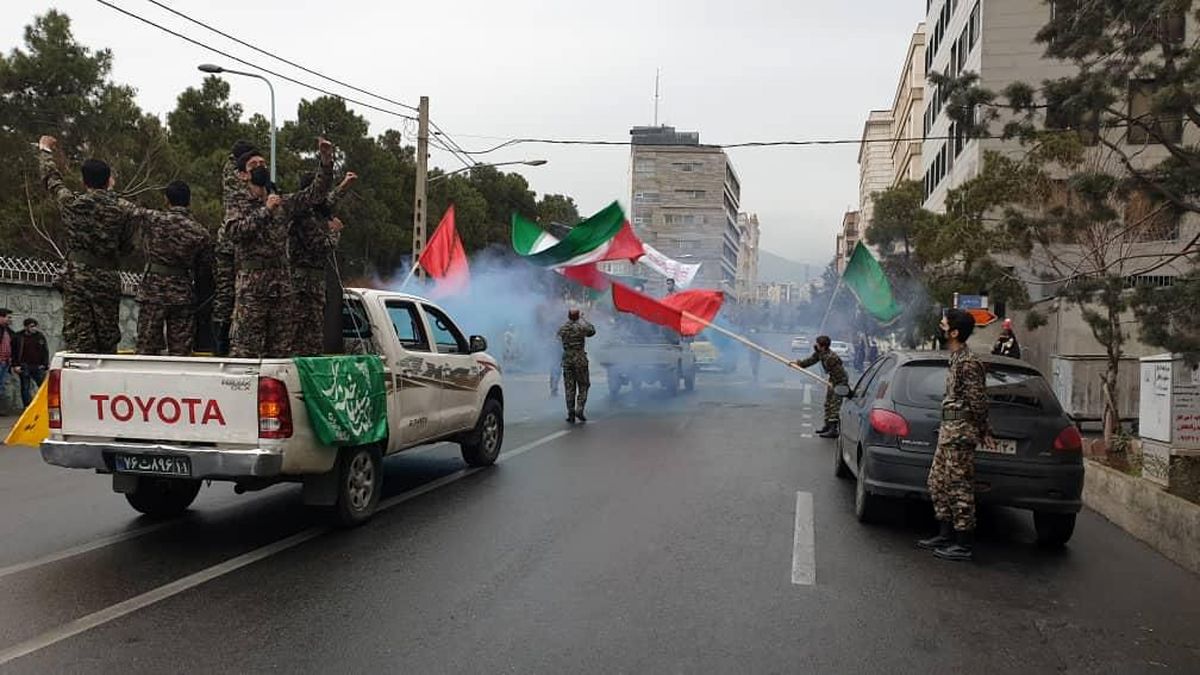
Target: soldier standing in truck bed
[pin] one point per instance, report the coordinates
(176, 248)
(312, 238)
(99, 232)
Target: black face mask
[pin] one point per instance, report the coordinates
(260, 176)
(323, 210)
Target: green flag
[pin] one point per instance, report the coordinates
(866, 280)
(345, 397)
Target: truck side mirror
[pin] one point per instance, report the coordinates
(844, 391)
(478, 344)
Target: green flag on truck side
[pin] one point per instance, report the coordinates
(866, 280)
(346, 398)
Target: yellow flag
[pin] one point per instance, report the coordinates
(34, 425)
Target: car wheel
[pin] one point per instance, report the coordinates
(840, 469)
(360, 483)
(866, 505)
(1053, 529)
(163, 497)
(482, 448)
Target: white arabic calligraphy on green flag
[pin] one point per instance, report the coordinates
(346, 398)
(865, 278)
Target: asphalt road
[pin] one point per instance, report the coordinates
(701, 534)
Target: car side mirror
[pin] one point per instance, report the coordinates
(844, 391)
(478, 344)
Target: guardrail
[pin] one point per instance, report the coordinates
(36, 272)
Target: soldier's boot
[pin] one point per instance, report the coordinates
(832, 430)
(944, 537)
(961, 550)
(571, 417)
(580, 416)
(823, 430)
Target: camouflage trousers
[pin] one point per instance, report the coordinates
(576, 380)
(91, 312)
(833, 406)
(952, 477)
(263, 316)
(223, 289)
(308, 286)
(175, 322)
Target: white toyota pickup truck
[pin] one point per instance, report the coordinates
(162, 425)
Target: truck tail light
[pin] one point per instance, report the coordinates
(54, 399)
(274, 409)
(1068, 440)
(888, 423)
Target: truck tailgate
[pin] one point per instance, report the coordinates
(194, 400)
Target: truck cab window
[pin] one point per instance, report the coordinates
(448, 337)
(410, 330)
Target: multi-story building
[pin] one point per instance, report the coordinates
(686, 200)
(747, 276)
(907, 108)
(847, 238)
(874, 163)
(778, 293)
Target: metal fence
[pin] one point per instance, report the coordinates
(35, 272)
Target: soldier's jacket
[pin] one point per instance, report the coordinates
(831, 363)
(98, 225)
(574, 335)
(233, 191)
(309, 238)
(966, 397)
(175, 246)
(260, 237)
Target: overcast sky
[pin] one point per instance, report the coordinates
(751, 70)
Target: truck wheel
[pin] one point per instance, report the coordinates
(163, 497)
(1053, 529)
(482, 447)
(360, 482)
(670, 382)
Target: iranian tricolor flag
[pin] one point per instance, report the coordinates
(604, 236)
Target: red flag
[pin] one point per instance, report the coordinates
(587, 275)
(686, 313)
(626, 245)
(444, 258)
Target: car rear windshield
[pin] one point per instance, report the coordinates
(923, 385)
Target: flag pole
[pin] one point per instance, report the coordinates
(836, 288)
(411, 272)
(758, 348)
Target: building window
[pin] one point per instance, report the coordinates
(1167, 127)
(687, 167)
(973, 26)
(646, 197)
(1150, 281)
(640, 220)
(692, 194)
(644, 167)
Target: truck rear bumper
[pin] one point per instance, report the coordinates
(214, 463)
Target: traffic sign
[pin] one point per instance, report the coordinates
(983, 317)
(971, 301)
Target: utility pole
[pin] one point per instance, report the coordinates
(657, 74)
(422, 170)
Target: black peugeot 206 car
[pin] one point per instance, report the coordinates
(889, 430)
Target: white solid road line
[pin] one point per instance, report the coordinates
(808, 397)
(123, 608)
(804, 547)
(80, 549)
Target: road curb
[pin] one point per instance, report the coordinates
(1168, 524)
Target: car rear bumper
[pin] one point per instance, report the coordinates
(1052, 488)
(214, 463)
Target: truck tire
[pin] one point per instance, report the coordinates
(1053, 529)
(163, 497)
(482, 446)
(670, 382)
(360, 483)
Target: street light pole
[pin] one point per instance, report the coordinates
(525, 162)
(215, 69)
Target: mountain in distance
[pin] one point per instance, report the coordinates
(776, 268)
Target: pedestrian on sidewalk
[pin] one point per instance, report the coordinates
(1007, 344)
(7, 344)
(964, 427)
(31, 359)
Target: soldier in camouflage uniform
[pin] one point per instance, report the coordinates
(99, 231)
(576, 376)
(312, 238)
(234, 191)
(176, 248)
(964, 426)
(836, 373)
(263, 314)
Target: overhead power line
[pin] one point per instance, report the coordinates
(249, 64)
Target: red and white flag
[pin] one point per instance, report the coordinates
(687, 312)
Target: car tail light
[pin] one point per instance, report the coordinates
(1069, 440)
(889, 423)
(274, 409)
(54, 399)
